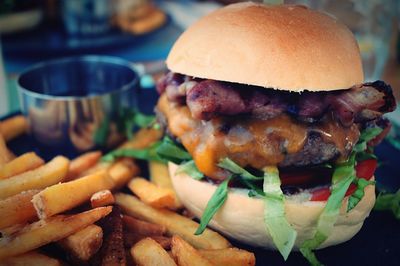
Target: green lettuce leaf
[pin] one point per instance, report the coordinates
(366, 135)
(389, 202)
(216, 201)
(101, 134)
(356, 197)
(278, 227)
(190, 168)
(149, 154)
(131, 118)
(234, 168)
(170, 151)
(343, 176)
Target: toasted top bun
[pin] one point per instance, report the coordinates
(284, 47)
(242, 217)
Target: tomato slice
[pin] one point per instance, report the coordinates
(364, 169)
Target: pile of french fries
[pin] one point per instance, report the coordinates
(77, 208)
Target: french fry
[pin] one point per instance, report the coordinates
(32, 258)
(145, 228)
(131, 239)
(102, 198)
(151, 194)
(84, 243)
(100, 166)
(122, 171)
(21, 164)
(13, 127)
(82, 164)
(8, 231)
(148, 252)
(229, 257)
(152, 21)
(5, 154)
(41, 177)
(159, 175)
(175, 223)
(65, 196)
(143, 138)
(186, 255)
(113, 252)
(46, 231)
(17, 209)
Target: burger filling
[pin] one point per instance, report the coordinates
(256, 128)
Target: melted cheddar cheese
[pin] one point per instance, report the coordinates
(247, 141)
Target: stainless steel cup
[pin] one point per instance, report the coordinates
(76, 104)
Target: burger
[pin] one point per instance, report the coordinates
(271, 127)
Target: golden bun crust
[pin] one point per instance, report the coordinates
(283, 47)
(241, 217)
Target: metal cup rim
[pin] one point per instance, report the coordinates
(90, 58)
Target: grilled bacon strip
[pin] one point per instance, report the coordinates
(207, 99)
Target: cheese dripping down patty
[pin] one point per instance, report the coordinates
(256, 142)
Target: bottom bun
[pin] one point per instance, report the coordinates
(242, 217)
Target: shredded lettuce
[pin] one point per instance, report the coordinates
(190, 168)
(366, 135)
(389, 202)
(343, 176)
(149, 153)
(216, 201)
(278, 227)
(170, 151)
(356, 197)
(101, 134)
(232, 167)
(131, 118)
(275, 220)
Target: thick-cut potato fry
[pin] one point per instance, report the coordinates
(7, 231)
(100, 166)
(64, 196)
(82, 163)
(151, 194)
(102, 198)
(131, 239)
(46, 231)
(13, 127)
(148, 23)
(17, 209)
(143, 138)
(159, 175)
(84, 243)
(122, 171)
(148, 252)
(186, 255)
(5, 154)
(176, 224)
(21, 164)
(46, 175)
(32, 258)
(229, 257)
(112, 252)
(142, 227)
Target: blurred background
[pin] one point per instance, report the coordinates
(143, 31)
